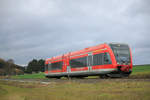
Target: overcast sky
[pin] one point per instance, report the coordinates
(45, 28)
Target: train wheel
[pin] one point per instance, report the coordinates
(69, 78)
(58, 77)
(79, 77)
(47, 77)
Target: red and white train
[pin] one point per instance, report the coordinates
(104, 60)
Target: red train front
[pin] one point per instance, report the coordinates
(105, 60)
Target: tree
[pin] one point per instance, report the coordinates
(9, 67)
(2, 63)
(35, 66)
(41, 63)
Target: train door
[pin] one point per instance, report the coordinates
(90, 61)
(49, 67)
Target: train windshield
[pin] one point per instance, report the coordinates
(121, 52)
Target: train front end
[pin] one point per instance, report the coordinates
(122, 54)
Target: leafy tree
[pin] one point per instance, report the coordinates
(2, 63)
(41, 63)
(35, 66)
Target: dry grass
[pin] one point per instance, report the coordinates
(105, 90)
(110, 89)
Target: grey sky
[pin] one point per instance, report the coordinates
(45, 28)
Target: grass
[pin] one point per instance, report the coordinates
(141, 72)
(30, 76)
(142, 68)
(113, 89)
(104, 90)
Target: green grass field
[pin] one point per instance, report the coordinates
(30, 76)
(142, 68)
(138, 71)
(141, 72)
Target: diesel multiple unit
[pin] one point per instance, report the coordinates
(104, 60)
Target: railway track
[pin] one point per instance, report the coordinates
(85, 80)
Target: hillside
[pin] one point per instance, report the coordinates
(10, 68)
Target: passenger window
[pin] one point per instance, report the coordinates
(98, 59)
(56, 66)
(79, 62)
(46, 67)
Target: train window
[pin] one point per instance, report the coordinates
(46, 67)
(107, 59)
(49, 66)
(98, 59)
(79, 62)
(56, 66)
(121, 52)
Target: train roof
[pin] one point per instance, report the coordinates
(85, 50)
